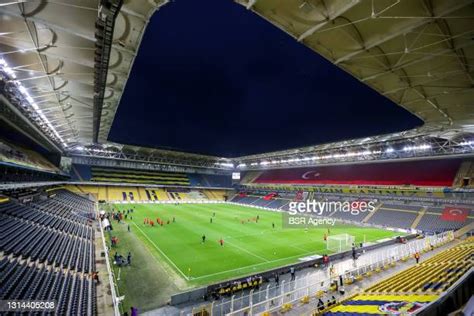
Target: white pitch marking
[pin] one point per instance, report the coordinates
(157, 248)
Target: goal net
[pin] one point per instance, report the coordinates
(341, 242)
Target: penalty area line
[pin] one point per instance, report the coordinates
(254, 265)
(248, 251)
(164, 255)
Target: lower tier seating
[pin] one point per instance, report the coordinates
(413, 287)
(388, 217)
(50, 231)
(388, 214)
(140, 193)
(42, 217)
(429, 222)
(25, 239)
(74, 294)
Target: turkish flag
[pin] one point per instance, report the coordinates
(454, 214)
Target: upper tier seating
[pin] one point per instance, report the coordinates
(416, 173)
(13, 154)
(124, 175)
(210, 180)
(103, 174)
(81, 172)
(13, 173)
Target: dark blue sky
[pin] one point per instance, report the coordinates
(214, 78)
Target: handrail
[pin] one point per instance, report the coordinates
(308, 287)
(114, 294)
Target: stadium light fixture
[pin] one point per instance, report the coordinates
(467, 143)
(226, 164)
(9, 71)
(414, 148)
(389, 150)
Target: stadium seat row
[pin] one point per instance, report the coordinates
(74, 294)
(48, 252)
(412, 287)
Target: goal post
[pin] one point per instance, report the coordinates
(340, 242)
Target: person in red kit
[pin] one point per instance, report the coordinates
(152, 223)
(221, 241)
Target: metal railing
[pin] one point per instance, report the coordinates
(273, 296)
(113, 285)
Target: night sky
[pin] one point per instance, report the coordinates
(214, 78)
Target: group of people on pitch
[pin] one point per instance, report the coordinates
(220, 241)
(159, 221)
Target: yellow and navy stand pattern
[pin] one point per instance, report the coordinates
(409, 290)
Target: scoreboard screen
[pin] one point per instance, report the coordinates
(235, 175)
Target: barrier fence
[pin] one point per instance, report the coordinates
(113, 286)
(273, 297)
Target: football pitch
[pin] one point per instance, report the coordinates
(249, 246)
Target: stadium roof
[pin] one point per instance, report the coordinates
(71, 59)
(417, 53)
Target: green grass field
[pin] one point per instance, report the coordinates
(248, 248)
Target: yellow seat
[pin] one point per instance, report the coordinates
(286, 307)
(305, 299)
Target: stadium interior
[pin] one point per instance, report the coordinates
(94, 227)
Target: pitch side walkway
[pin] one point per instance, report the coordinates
(312, 275)
(307, 309)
